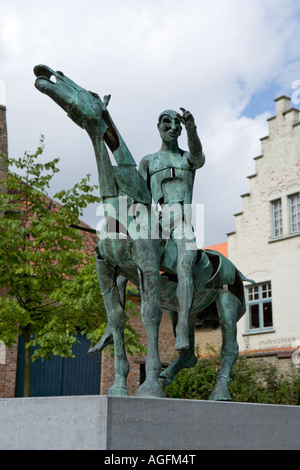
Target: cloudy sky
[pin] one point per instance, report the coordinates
(224, 60)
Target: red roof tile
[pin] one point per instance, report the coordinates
(220, 247)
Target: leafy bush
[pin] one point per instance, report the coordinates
(252, 381)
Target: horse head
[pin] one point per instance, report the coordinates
(84, 107)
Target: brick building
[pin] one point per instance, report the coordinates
(266, 243)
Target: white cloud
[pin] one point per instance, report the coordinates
(230, 146)
(11, 34)
(209, 56)
(2, 93)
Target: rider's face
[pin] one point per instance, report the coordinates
(169, 127)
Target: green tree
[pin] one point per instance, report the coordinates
(50, 283)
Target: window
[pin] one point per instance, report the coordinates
(295, 213)
(259, 307)
(277, 218)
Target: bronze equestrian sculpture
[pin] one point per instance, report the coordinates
(148, 263)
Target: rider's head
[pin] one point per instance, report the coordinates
(169, 125)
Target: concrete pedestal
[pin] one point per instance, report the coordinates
(101, 422)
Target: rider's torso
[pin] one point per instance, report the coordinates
(172, 178)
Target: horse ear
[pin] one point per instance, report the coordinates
(106, 99)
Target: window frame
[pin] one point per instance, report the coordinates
(297, 214)
(274, 219)
(260, 301)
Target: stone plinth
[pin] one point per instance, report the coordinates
(101, 422)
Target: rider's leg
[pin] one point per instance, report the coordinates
(184, 293)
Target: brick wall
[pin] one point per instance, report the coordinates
(279, 359)
(8, 367)
(208, 340)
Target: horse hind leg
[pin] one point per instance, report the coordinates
(229, 311)
(107, 338)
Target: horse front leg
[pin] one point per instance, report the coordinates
(151, 314)
(116, 316)
(229, 311)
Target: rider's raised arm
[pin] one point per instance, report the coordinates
(196, 157)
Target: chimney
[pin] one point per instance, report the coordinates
(283, 109)
(282, 104)
(3, 130)
(3, 144)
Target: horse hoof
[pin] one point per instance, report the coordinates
(150, 391)
(220, 393)
(163, 382)
(116, 391)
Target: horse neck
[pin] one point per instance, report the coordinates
(106, 178)
(118, 192)
(122, 156)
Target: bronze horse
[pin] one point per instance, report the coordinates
(147, 263)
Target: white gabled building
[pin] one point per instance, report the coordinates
(266, 243)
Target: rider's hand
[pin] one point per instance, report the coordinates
(187, 118)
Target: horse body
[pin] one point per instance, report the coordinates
(146, 262)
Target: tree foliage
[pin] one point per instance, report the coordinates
(50, 282)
